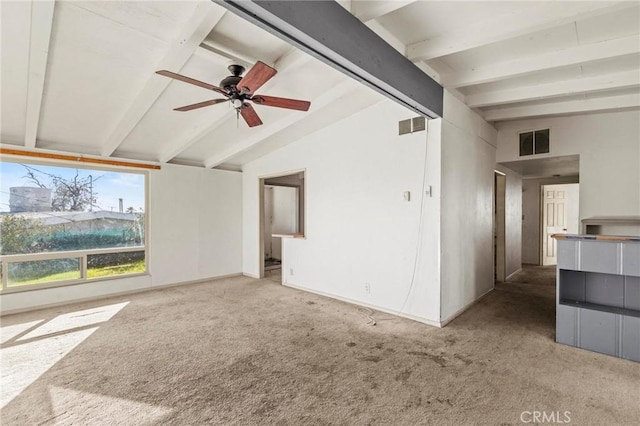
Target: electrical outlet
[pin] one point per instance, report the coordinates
(367, 288)
(291, 271)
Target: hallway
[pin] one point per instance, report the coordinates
(530, 298)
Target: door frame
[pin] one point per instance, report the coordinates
(499, 225)
(541, 230)
(261, 223)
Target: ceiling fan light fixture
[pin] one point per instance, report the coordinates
(238, 89)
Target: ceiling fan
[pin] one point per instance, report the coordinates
(238, 90)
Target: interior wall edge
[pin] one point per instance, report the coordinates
(444, 322)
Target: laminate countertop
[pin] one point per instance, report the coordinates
(585, 237)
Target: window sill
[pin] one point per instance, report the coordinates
(68, 283)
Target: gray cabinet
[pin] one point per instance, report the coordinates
(598, 295)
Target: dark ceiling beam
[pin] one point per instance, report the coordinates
(327, 31)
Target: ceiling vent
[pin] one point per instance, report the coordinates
(412, 125)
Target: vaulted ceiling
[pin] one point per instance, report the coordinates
(80, 76)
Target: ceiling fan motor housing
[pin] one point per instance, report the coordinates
(229, 83)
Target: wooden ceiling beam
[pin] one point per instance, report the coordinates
(581, 106)
(509, 26)
(562, 58)
(204, 19)
(621, 80)
(41, 25)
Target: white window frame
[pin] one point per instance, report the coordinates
(80, 254)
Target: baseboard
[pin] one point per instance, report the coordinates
(464, 308)
(117, 294)
(508, 277)
(366, 305)
(246, 274)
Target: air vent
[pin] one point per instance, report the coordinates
(404, 127)
(418, 123)
(412, 125)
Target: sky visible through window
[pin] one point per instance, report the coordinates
(108, 186)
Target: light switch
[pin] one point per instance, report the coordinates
(407, 195)
(427, 190)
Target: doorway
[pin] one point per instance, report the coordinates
(499, 195)
(559, 215)
(282, 200)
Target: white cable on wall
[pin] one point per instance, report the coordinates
(420, 223)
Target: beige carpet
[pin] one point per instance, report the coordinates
(242, 351)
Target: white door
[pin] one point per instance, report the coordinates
(554, 220)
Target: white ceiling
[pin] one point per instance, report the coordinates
(566, 165)
(80, 76)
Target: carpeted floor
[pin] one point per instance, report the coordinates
(242, 351)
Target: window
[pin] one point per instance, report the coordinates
(534, 142)
(63, 225)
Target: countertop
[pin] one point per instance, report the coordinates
(618, 238)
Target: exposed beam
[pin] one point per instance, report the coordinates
(185, 141)
(561, 58)
(387, 36)
(270, 129)
(394, 42)
(41, 23)
(621, 80)
(204, 18)
(509, 26)
(229, 54)
(317, 27)
(567, 107)
(292, 60)
(369, 10)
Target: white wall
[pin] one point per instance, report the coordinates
(531, 215)
(572, 195)
(283, 215)
(359, 229)
(609, 149)
(468, 161)
(285, 210)
(195, 233)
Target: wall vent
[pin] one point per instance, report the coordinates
(404, 127)
(412, 125)
(418, 124)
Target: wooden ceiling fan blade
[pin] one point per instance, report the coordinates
(250, 115)
(274, 101)
(193, 81)
(201, 104)
(258, 75)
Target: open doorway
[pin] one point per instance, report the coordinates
(559, 215)
(499, 198)
(282, 200)
(537, 173)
